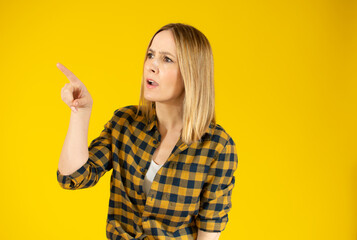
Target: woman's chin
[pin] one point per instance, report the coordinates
(149, 98)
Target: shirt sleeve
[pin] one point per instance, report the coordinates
(217, 191)
(98, 163)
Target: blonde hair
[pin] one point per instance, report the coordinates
(195, 60)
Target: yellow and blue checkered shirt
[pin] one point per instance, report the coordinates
(191, 191)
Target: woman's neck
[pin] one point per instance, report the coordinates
(169, 117)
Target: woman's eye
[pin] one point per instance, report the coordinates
(169, 60)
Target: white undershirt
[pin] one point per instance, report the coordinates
(150, 175)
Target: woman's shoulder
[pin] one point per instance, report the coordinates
(128, 114)
(220, 135)
(126, 111)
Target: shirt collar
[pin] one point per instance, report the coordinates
(152, 122)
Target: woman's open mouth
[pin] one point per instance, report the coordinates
(151, 83)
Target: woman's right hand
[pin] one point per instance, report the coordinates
(74, 93)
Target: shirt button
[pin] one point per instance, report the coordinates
(142, 170)
(154, 141)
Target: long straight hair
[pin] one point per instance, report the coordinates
(195, 60)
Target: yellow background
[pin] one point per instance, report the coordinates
(285, 78)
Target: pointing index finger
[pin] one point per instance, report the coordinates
(71, 77)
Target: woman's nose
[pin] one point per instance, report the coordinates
(153, 66)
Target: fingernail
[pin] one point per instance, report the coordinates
(74, 109)
(76, 103)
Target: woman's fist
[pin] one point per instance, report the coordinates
(74, 93)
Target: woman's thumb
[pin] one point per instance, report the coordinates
(76, 103)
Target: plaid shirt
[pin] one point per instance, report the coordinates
(191, 191)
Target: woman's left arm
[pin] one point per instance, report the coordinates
(202, 235)
(216, 195)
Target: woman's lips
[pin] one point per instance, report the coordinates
(151, 83)
(150, 86)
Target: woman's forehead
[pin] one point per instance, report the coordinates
(164, 41)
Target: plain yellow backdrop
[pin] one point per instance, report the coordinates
(285, 78)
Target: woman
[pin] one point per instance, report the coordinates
(172, 164)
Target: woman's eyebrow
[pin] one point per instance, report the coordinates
(162, 52)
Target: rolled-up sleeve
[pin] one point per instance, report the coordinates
(98, 163)
(217, 191)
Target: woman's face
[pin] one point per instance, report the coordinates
(162, 67)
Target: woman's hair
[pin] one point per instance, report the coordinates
(195, 62)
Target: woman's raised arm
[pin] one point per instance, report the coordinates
(75, 148)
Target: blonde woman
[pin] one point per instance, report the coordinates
(172, 164)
